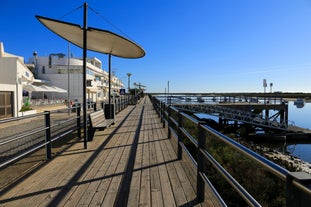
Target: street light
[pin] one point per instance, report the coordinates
(129, 75)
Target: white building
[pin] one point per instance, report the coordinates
(57, 70)
(14, 75)
(48, 78)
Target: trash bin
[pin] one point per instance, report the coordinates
(109, 108)
(74, 107)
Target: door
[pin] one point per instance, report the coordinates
(6, 104)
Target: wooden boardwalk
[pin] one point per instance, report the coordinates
(131, 163)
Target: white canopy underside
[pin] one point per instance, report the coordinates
(44, 88)
(98, 40)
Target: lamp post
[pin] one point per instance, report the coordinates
(129, 79)
(35, 56)
(264, 89)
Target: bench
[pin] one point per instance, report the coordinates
(98, 120)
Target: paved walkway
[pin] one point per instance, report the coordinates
(131, 163)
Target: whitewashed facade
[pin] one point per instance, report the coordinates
(56, 70)
(14, 75)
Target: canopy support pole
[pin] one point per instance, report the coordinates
(84, 75)
(109, 92)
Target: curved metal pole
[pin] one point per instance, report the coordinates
(84, 74)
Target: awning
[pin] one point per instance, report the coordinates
(98, 40)
(44, 88)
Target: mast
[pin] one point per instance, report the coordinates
(84, 74)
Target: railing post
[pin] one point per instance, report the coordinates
(294, 196)
(179, 134)
(163, 115)
(169, 134)
(48, 146)
(200, 158)
(161, 111)
(79, 120)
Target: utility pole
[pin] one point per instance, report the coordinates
(129, 79)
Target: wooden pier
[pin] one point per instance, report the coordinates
(132, 163)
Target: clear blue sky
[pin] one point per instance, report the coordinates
(196, 45)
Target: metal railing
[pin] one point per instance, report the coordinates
(37, 131)
(248, 177)
(41, 132)
(235, 114)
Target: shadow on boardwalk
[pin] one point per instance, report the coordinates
(129, 164)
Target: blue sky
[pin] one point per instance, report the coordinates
(196, 45)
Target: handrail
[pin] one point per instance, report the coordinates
(276, 169)
(6, 141)
(48, 129)
(246, 196)
(287, 177)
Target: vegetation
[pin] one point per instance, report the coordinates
(25, 108)
(266, 188)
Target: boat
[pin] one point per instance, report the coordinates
(200, 99)
(299, 103)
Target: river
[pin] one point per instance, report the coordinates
(299, 117)
(302, 118)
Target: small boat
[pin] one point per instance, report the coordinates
(200, 99)
(299, 103)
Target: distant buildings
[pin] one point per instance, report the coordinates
(49, 78)
(14, 75)
(67, 74)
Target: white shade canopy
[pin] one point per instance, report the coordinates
(98, 40)
(44, 88)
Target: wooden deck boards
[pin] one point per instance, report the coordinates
(131, 163)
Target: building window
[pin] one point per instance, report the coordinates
(43, 69)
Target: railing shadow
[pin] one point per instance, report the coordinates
(124, 189)
(58, 198)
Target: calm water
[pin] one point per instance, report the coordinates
(302, 118)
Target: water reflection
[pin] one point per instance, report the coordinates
(301, 117)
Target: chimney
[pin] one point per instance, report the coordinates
(1, 50)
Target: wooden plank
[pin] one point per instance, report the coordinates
(114, 188)
(155, 181)
(98, 176)
(145, 199)
(76, 193)
(134, 194)
(95, 177)
(46, 181)
(102, 190)
(166, 188)
(133, 199)
(178, 192)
